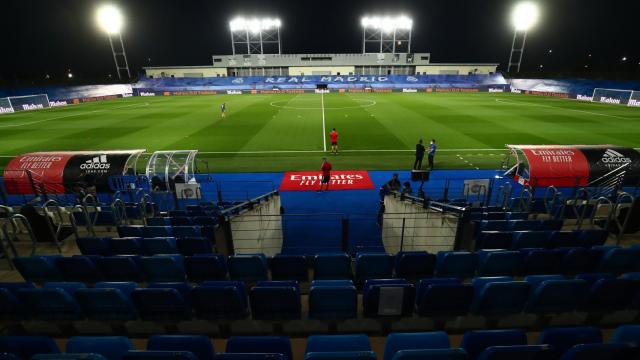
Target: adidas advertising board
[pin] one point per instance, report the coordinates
(606, 159)
(98, 168)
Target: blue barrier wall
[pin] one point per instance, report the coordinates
(572, 87)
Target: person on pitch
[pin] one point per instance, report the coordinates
(223, 110)
(419, 155)
(326, 174)
(334, 141)
(432, 153)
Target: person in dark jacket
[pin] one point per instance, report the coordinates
(419, 155)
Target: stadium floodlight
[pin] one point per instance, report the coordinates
(111, 21)
(254, 34)
(524, 16)
(386, 33)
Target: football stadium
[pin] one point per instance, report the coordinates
(237, 180)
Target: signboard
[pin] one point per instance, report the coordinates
(340, 180)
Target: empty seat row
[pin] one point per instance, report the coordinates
(142, 231)
(183, 221)
(519, 225)
(567, 343)
(328, 299)
(106, 246)
(498, 215)
(540, 239)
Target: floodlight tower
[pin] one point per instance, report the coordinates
(255, 35)
(110, 20)
(523, 17)
(386, 34)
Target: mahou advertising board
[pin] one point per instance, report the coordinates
(64, 172)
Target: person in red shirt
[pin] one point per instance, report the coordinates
(334, 141)
(326, 173)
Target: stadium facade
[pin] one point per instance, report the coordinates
(321, 64)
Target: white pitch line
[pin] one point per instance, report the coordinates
(562, 108)
(324, 131)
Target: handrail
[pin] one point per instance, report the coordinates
(54, 233)
(619, 205)
(605, 201)
(119, 211)
(27, 225)
(225, 212)
(8, 244)
(439, 207)
(87, 218)
(554, 191)
(584, 200)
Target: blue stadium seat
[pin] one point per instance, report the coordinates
(521, 352)
(494, 240)
(120, 268)
(431, 354)
(94, 245)
(475, 342)
(332, 266)
(332, 300)
(218, 300)
(563, 239)
(159, 221)
(199, 345)
(187, 231)
(181, 221)
(379, 297)
(275, 300)
(111, 347)
(524, 225)
(105, 304)
(414, 265)
(460, 264)
(157, 231)
(126, 287)
(260, 345)
(498, 263)
(289, 267)
(50, 304)
(599, 352)
(159, 355)
(159, 245)
(38, 269)
(517, 216)
(190, 246)
(579, 260)
(494, 225)
(131, 231)
(373, 266)
(607, 295)
(342, 355)
(591, 278)
(592, 237)
(443, 298)
(530, 239)
(563, 338)
(414, 341)
(178, 213)
(620, 260)
(160, 304)
(67, 356)
(333, 343)
(126, 246)
(204, 267)
(626, 334)
(69, 286)
(25, 347)
(540, 261)
(247, 267)
(551, 225)
(205, 221)
(11, 309)
(79, 268)
(184, 288)
(245, 356)
(498, 296)
(494, 215)
(557, 296)
(163, 268)
(535, 280)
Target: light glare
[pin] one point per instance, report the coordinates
(109, 19)
(525, 15)
(387, 23)
(254, 25)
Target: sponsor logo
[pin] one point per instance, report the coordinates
(322, 91)
(98, 163)
(340, 180)
(125, 95)
(516, 91)
(608, 100)
(238, 81)
(234, 92)
(584, 97)
(560, 152)
(39, 162)
(634, 102)
(412, 79)
(57, 103)
(146, 93)
(32, 106)
(5, 110)
(496, 90)
(409, 90)
(614, 159)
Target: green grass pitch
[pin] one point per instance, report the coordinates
(285, 131)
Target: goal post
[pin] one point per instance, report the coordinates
(612, 96)
(634, 100)
(29, 102)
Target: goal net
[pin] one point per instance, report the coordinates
(612, 96)
(29, 102)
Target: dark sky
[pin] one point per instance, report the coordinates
(49, 36)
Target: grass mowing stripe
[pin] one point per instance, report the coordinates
(324, 130)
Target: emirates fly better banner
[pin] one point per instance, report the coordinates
(340, 180)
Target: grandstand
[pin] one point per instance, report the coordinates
(137, 221)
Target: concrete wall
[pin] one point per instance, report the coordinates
(258, 230)
(450, 69)
(424, 229)
(177, 71)
(321, 70)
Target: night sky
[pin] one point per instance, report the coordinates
(50, 36)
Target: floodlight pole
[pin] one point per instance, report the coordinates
(119, 54)
(515, 56)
